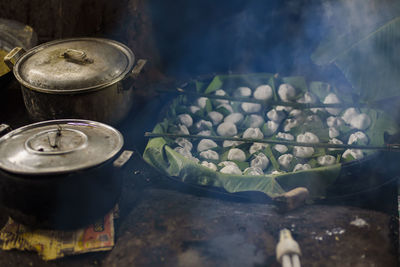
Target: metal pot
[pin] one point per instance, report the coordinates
(61, 174)
(86, 78)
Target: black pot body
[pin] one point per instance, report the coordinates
(63, 201)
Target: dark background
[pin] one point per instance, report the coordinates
(186, 38)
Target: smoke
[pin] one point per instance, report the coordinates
(233, 249)
(234, 36)
(207, 37)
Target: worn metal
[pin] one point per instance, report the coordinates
(12, 57)
(74, 65)
(86, 78)
(109, 105)
(58, 146)
(4, 128)
(123, 158)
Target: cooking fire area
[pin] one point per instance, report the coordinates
(199, 133)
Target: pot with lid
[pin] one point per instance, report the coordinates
(61, 173)
(86, 78)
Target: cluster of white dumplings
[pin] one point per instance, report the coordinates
(266, 125)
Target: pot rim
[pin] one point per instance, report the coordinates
(127, 51)
(111, 155)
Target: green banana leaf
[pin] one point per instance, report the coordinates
(368, 55)
(160, 154)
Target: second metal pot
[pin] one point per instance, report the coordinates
(61, 174)
(87, 78)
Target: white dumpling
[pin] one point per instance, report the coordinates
(250, 107)
(201, 102)
(231, 170)
(183, 142)
(286, 92)
(295, 113)
(355, 153)
(285, 160)
(234, 118)
(313, 119)
(281, 148)
(332, 99)
(285, 136)
(226, 106)
(284, 108)
(242, 92)
(307, 137)
(301, 167)
(206, 144)
(360, 121)
(227, 163)
(260, 161)
(336, 142)
(183, 151)
(215, 117)
(203, 125)
(270, 128)
(227, 129)
(228, 143)
(255, 121)
(349, 114)
(326, 160)
(275, 115)
(204, 132)
(334, 121)
(221, 92)
(290, 123)
(209, 165)
(254, 133)
(194, 159)
(194, 109)
(308, 98)
(315, 110)
(253, 171)
(257, 147)
(185, 119)
(263, 92)
(182, 129)
(303, 151)
(236, 154)
(358, 137)
(209, 154)
(333, 132)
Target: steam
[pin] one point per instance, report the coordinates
(235, 36)
(234, 249)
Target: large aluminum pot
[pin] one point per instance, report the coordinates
(85, 78)
(61, 174)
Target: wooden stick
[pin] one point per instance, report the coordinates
(262, 102)
(387, 147)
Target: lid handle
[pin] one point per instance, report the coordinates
(12, 57)
(76, 56)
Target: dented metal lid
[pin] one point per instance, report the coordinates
(58, 146)
(74, 65)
